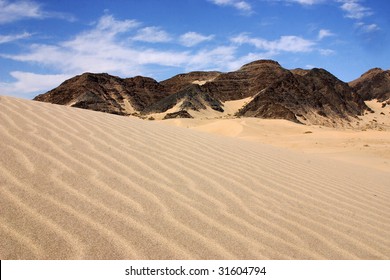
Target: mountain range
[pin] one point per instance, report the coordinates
(266, 88)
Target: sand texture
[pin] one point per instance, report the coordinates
(78, 184)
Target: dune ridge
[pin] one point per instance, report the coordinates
(78, 184)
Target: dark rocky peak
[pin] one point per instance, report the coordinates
(316, 98)
(106, 93)
(322, 74)
(374, 84)
(140, 81)
(260, 64)
(320, 79)
(181, 81)
(300, 71)
(372, 72)
(247, 81)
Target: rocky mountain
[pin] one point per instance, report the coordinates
(374, 84)
(249, 80)
(181, 81)
(316, 97)
(106, 93)
(304, 96)
(191, 97)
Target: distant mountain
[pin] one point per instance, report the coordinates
(315, 97)
(304, 96)
(374, 84)
(106, 93)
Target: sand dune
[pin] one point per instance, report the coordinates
(78, 184)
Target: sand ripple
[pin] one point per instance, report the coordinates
(76, 184)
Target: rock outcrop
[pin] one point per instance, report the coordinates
(190, 98)
(245, 82)
(179, 114)
(374, 84)
(106, 93)
(303, 96)
(181, 81)
(310, 98)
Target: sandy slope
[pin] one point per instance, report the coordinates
(77, 184)
(365, 141)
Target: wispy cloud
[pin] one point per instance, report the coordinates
(354, 9)
(323, 33)
(368, 28)
(190, 39)
(27, 83)
(326, 52)
(307, 2)
(292, 44)
(16, 10)
(152, 34)
(109, 46)
(240, 5)
(11, 11)
(14, 37)
(100, 49)
(301, 2)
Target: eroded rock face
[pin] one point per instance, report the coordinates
(180, 114)
(181, 81)
(106, 93)
(190, 98)
(245, 82)
(307, 96)
(313, 96)
(374, 84)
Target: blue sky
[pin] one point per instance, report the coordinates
(44, 42)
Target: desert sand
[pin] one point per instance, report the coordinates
(78, 184)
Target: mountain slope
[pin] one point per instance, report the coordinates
(106, 93)
(374, 84)
(304, 96)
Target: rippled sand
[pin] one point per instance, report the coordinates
(77, 184)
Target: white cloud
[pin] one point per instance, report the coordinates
(190, 39)
(11, 11)
(323, 33)
(152, 34)
(326, 52)
(240, 5)
(367, 28)
(216, 58)
(307, 2)
(109, 24)
(101, 49)
(27, 83)
(108, 47)
(10, 38)
(354, 9)
(301, 2)
(293, 44)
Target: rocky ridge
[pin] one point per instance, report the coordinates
(304, 96)
(374, 84)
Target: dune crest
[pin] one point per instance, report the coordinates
(79, 184)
